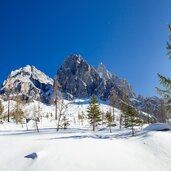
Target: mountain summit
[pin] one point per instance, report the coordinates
(79, 79)
(103, 72)
(30, 83)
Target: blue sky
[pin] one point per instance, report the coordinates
(128, 36)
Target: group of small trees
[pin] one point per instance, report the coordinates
(95, 115)
(16, 114)
(129, 117)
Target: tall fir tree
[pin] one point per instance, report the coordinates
(164, 81)
(131, 119)
(94, 114)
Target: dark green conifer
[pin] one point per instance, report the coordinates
(94, 114)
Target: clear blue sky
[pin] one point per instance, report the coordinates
(128, 36)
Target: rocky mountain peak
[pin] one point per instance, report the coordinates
(103, 72)
(78, 78)
(30, 83)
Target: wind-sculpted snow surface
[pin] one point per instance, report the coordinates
(83, 150)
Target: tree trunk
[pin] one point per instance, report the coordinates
(37, 128)
(56, 110)
(102, 118)
(94, 127)
(133, 131)
(26, 126)
(110, 129)
(57, 129)
(113, 115)
(8, 110)
(120, 126)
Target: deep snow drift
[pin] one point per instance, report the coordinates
(77, 149)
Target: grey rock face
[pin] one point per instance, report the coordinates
(152, 102)
(147, 104)
(29, 83)
(121, 84)
(78, 78)
(82, 80)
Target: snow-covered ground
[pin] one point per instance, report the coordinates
(80, 149)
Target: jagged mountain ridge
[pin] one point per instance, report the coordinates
(30, 83)
(77, 79)
(122, 84)
(81, 80)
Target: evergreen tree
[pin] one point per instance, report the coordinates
(109, 120)
(1, 110)
(94, 114)
(124, 107)
(164, 81)
(131, 119)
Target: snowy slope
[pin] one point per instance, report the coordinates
(82, 150)
(74, 108)
(78, 148)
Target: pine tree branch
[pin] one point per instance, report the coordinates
(164, 93)
(166, 82)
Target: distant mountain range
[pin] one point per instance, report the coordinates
(77, 79)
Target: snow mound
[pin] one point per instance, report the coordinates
(158, 127)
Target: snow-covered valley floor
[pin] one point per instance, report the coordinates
(77, 149)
